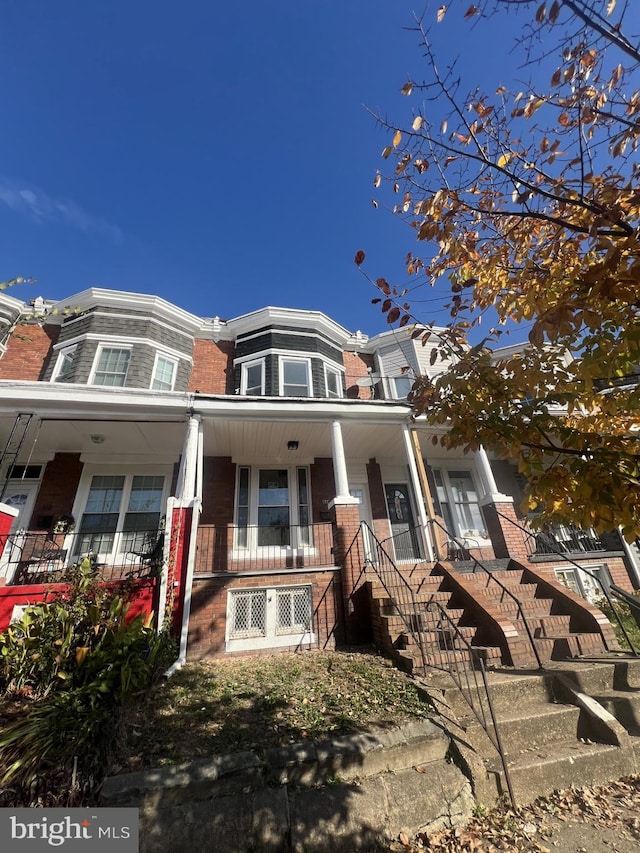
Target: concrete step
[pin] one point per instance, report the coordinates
(559, 765)
(528, 730)
(624, 705)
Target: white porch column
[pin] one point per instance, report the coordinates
(340, 466)
(486, 474)
(417, 490)
(190, 472)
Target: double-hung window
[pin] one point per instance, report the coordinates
(459, 505)
(401, 386)
(273, 508)
(112, 366)
(295, 377)
(121, 514)
(164, 373)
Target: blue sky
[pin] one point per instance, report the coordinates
(218, 155)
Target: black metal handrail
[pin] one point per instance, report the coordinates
(391, 579)
(505, 589)
(603, 586)
(470, 690)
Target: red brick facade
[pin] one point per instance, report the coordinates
(212, 367)
(28, 351)
(57, 490)
(357, 365)
(207, 625)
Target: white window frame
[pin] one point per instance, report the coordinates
(251, 546)
(473, 536)
(174, 373)
(115, 470)
(582, 583)
(98, 356)
(62, 355)
(271, 637)
(244, 369)
(394, 385)
(333, 371)
(297, 360)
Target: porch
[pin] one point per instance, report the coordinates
(39, 557)
(232, 548)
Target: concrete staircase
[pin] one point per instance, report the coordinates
(574, 724)
(491, 613)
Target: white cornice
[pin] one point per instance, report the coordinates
(310, 321)
(98, 297)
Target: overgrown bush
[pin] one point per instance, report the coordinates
(81, 660)
(626, 618)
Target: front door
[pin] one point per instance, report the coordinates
(403, 528)
(20, 496)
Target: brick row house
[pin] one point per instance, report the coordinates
(234, 460)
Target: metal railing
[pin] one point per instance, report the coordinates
(44, 557)
(451, 655)
(567, 539)
(600, 583)
(449, 649)
(236, 548)
(493, 578)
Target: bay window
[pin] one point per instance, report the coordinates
(295, 377)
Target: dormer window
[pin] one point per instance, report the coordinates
(295, 377)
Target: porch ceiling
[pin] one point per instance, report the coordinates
(260, 440)
(110, 438)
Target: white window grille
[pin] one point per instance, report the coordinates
(248, 610)
(293, 610)
(269, 617)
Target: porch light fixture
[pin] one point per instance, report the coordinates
(97, 439)
(293, 445)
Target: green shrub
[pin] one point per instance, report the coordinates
(80, 657)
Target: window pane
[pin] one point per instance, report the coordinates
(295, 379)
(402, 385)
(248, 613)
(333, 384)
(142, 521)
(253, 373)
(293, 610)
(112, 367)
(67, 361)
(164, 375)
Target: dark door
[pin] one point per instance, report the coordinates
(403, 527)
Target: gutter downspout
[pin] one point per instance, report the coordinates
(180, 661)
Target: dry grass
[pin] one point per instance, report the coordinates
(253, 703)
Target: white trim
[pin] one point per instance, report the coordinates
(124, 341)
(243, 375)
(287, 352)
(301, 333)
(270, 639)
(174, 361)
(295, 359)
(339, 374)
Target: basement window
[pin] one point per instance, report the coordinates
(585, 583)
(268, 617)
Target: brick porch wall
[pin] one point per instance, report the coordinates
(57, 491)
(506, 538)
(207, 624)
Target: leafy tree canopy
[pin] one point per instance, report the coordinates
(525, 201)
